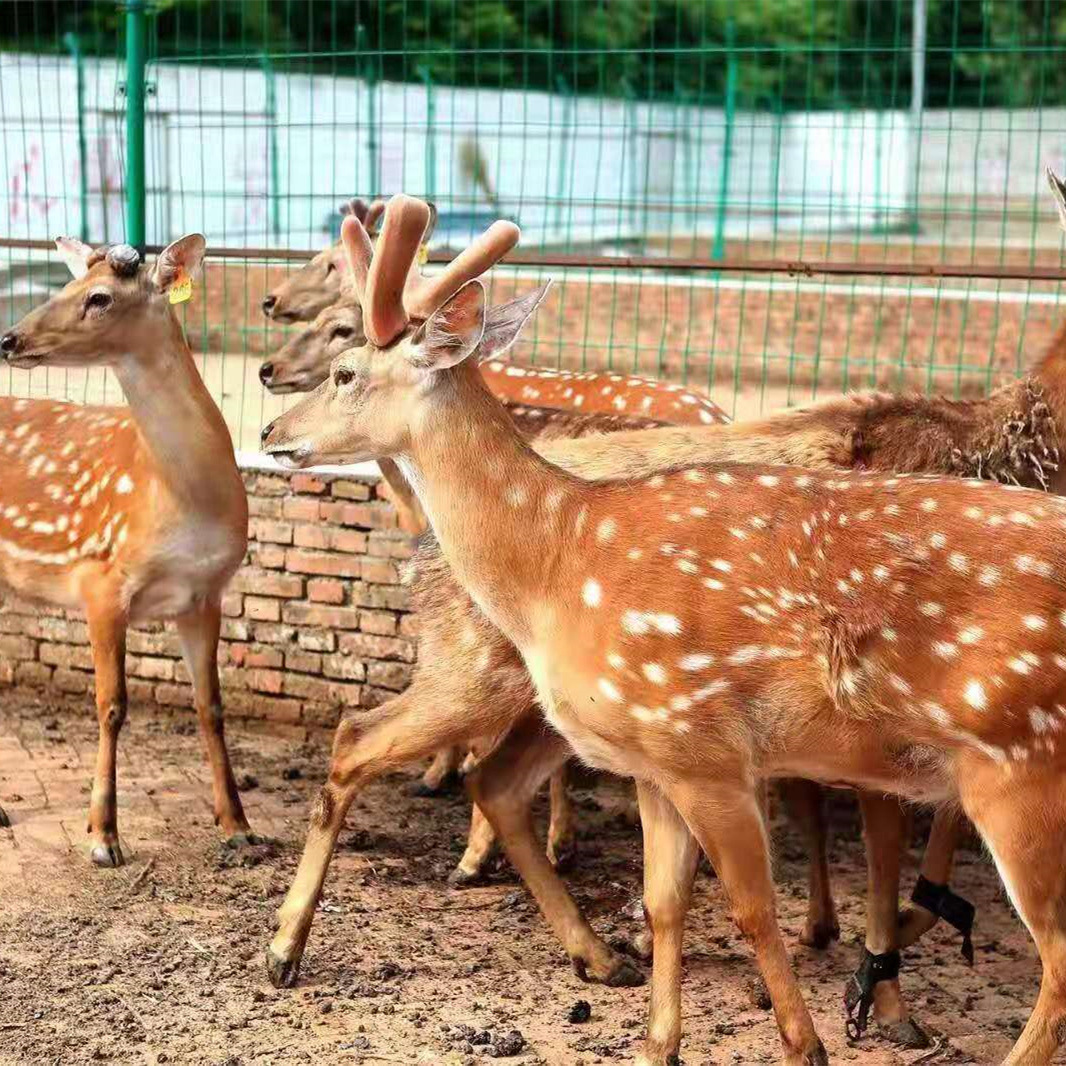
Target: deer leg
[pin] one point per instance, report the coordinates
(805, 803)
(480, 843)
(107, 636)
(441, 770)
(562, 836)
(365, 746)
(504, 785)
(199, 632)
(948, 829)
(1021, 816)
(727, 821)
(670, 860)
(884, 829)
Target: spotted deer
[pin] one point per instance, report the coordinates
(709, 627)
(126, 513)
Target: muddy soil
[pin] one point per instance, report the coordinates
(161, 961)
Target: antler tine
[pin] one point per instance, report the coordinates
(422, 296)
(373, 216)
(359, 253)
(355, 206)
(384, 314)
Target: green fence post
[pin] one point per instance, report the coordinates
(431, 133)
(718, 251)
(136, 49)
(273, 199)
(374, 186)
(74, 47)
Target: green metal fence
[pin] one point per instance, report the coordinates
(660, 149)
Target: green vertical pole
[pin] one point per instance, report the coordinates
(273, 198)
(374, 188)
(136, 49)
(718, 251)
(431, 133)
(74, 46)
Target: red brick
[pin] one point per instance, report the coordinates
(372, 515)
(272, 633)
(322, 715)
(232, 605)
(305, 614)
(174, 695)
(72, 680)
(271, 485)
(266, 529)
(272, 556)
(317, 640)
(308, 536)
(307, 484)
(380, 572)
(23, 648)
(7, 673)
(390, 597)
(347, 540)
(409, 625)
(271, 681)
(391, 545)
(350, 490)
(368, 646)
(301, 561)
(262, 609)
(254, 705)
(139, 691)
(254, 655)
(301, 510)
(314, 688)
(263, 583)
(32, 674)
(151, 668)
(389, 675)
(382, 623)
(139, 642)
(344, 667)
(258, 508)
(325, 590)
(235, 629)
(303, 662)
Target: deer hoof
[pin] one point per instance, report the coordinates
(282, 972)
(817, 1057)
(5, 821)
(624, 975)
(460, 878)
(245, 838)
(906, 1034)
(108, 855)
(820, 935)
(562, 854)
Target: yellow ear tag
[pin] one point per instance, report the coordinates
(181, 290)
(423, 254)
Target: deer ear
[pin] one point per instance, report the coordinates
(182, 259)
(504, 323)
(75, 254)
(453, 332)
(1058, 190)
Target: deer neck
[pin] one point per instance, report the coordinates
(493, 503)
(184, 432)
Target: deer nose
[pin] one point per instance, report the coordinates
(9, 343)
(267, 430)
(268, 304)
(266, 372)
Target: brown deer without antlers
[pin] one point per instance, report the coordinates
(710, 627)
(126, 513)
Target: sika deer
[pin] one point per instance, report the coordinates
(758, 621)
(127, 513)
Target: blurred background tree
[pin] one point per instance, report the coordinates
(801, 54)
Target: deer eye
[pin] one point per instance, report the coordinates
(341, 333)
(98, 301)
(342, 377)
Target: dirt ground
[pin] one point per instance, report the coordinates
(162, 960)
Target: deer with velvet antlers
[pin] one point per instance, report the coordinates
(709, 627)
(126, 513)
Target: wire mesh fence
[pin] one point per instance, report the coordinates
(660, 144)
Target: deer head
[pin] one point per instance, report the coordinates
(318, 283)
(114, 305)
(418, 331)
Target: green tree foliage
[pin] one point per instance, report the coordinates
(789, 54)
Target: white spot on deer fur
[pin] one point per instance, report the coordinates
(1019, 666)
(945, 649)
(592, 593)
(686, 566)
(1040, 720)
(748, 653)
(606, 530)
(959, 563)
(515, 495)
(609, 690)
(930, 609)
(695, 661)
(725, 477)
(1026, 564)
(720, 685)
(889, 634)
(769, 480)
(970, 635)
(713, 583)
(654, 673)
(615, 660)
(1034, 622)
(43, 527)
(938, 540)
(634, 554)
(928, 504)
(974, 694)
(582, 517)
(989, 576)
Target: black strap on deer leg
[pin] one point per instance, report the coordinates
(859, 994)
(956, 911)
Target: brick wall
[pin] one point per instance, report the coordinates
(315, 622)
